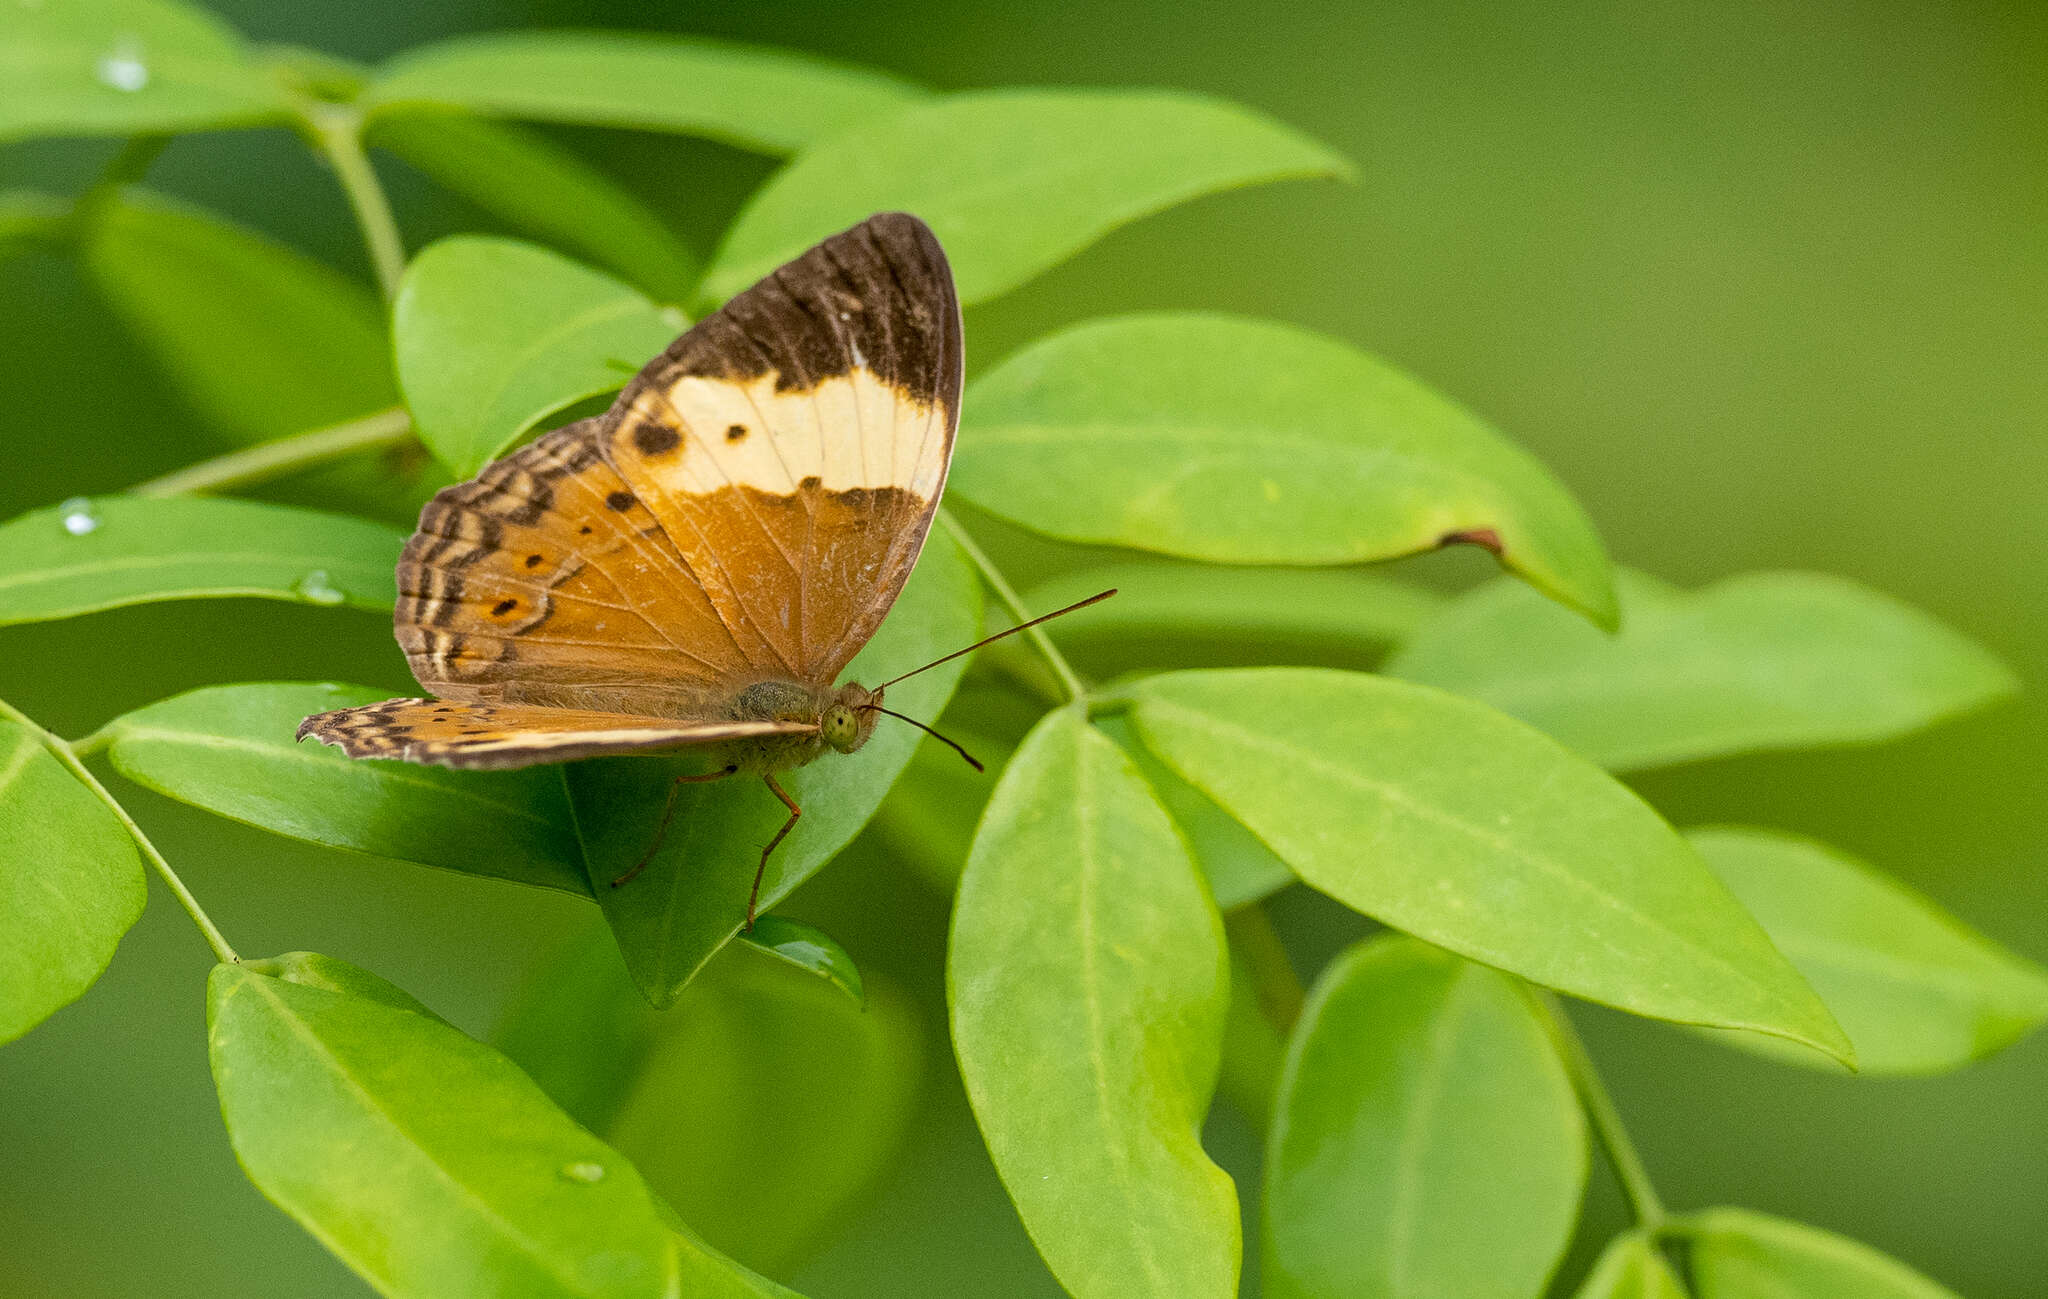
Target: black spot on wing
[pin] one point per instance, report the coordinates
(656, 439)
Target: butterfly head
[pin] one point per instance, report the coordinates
(850, 718)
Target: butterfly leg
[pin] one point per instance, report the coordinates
(754, 900)
(668, 811)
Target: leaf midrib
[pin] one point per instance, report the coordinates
(1098, 1064)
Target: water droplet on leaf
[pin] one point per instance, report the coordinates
(317, 588)
(123, 68)
(583, 1172)
(80, 516)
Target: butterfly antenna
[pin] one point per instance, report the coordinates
(955, 745)
(1097, 598)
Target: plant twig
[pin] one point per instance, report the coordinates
(64, 753)
(1070, 682)
(1606, 1119)
(337, 132)
(268, 460)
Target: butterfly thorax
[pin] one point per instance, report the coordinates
(844, 716)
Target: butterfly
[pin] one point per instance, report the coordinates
(692, 569)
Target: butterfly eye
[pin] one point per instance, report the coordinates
(840, 728)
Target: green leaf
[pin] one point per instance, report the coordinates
(1754, 662)
(315, 970)
(230, 750)
(545, 191)
(1014, 181)
(1088, 981)
(126, 67)
(424, 1160)
(707, 1274)
(1737, 1254)
(1443, 818)
(1202, 604)
(1284, 447)
(494, 335)
(692, 897)
(807, 948)
(1238, 867)
(929, 817)
(1632, 1268)
(756, 97)
(1426, 1140)
(70, 883)
(87, 555)
(31, 217)
(262, 340)
(1917, 990)
(770, 1105)
(1253, 1048)
(580, 1028)
(753, 1058)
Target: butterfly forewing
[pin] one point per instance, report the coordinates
(794, 444)
(747, 511)
(526, 585)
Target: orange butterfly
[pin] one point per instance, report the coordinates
(695, 566)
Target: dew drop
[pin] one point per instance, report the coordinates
(317, 588)
(583, 1172)
(123, 68)
(80, 516)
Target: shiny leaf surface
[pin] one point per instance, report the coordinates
(1245, 441)
(100, 553)
(70, 883)
(1087, 978)
(1426, 1140)
(1917, 990)
(1443, 818)
(126, 67)
(1737, 1254)
(1014, 182)
(494, 335)
(755, 97)
(424, 1160)
(1755, 662)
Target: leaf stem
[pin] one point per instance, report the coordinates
(65, 754)
(267, 460)
(336, 131)
(1254, 941)
(1007, 594)
(1605, 1118)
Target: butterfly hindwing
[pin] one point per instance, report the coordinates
(491, 735)
(793, 445)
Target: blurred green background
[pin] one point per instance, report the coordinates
(1763, 282)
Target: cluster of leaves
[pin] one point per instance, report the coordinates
(1427, 1103)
